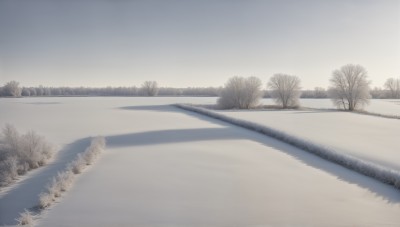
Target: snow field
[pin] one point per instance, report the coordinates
(388, 107)
(373, 139)
(210, 183)
(169, 167)
(371, 169)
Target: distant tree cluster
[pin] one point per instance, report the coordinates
(349, 90)
(149, 88)
(317, 93)
(392, 86)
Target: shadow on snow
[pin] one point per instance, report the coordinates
(25, 193)
(158, 108)
(386, 192)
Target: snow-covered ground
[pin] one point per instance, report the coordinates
(380, 106)
(370, 138)
(167, 167)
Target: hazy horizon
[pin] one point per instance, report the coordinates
(194, 43)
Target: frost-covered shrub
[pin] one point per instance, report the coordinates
(8, 170)
(58, 184)
(63, 181)
(78, 164)
(45, 200)
(9, 141)
(87, 157)
(241, 93)
(370, 169)
(26, 218)
(54, 188)
(21, 153)
(34, 150)
(99, 142)
(96, 146)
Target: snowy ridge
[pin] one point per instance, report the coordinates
(370, 169)
(64, 180)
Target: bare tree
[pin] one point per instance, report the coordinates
(241, 93)
(149, 88)
(285, 89)
(349, 87)
(12, 89)
(393, 86)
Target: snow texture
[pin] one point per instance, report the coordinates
(165, 166)
(385, 107)
(370, 169)
(63, 181)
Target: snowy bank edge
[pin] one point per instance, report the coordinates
(366, 168)
(63, 181)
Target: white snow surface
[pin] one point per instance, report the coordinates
(164, 166)
(389, 107)
(369, 138)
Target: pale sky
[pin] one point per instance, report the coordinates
(192, 43)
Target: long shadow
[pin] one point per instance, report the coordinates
(317, 111)
(42, 103)
(158, 108)
(173, 109)
(24, 195)
(386, 192)
(229, 131)
(171, 136)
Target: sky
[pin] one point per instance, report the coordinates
(191, 43)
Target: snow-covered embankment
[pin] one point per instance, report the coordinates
(367, 168)
(64, 180)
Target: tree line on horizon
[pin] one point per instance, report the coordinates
(390, 90)
(12, 89)
(148, 88)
